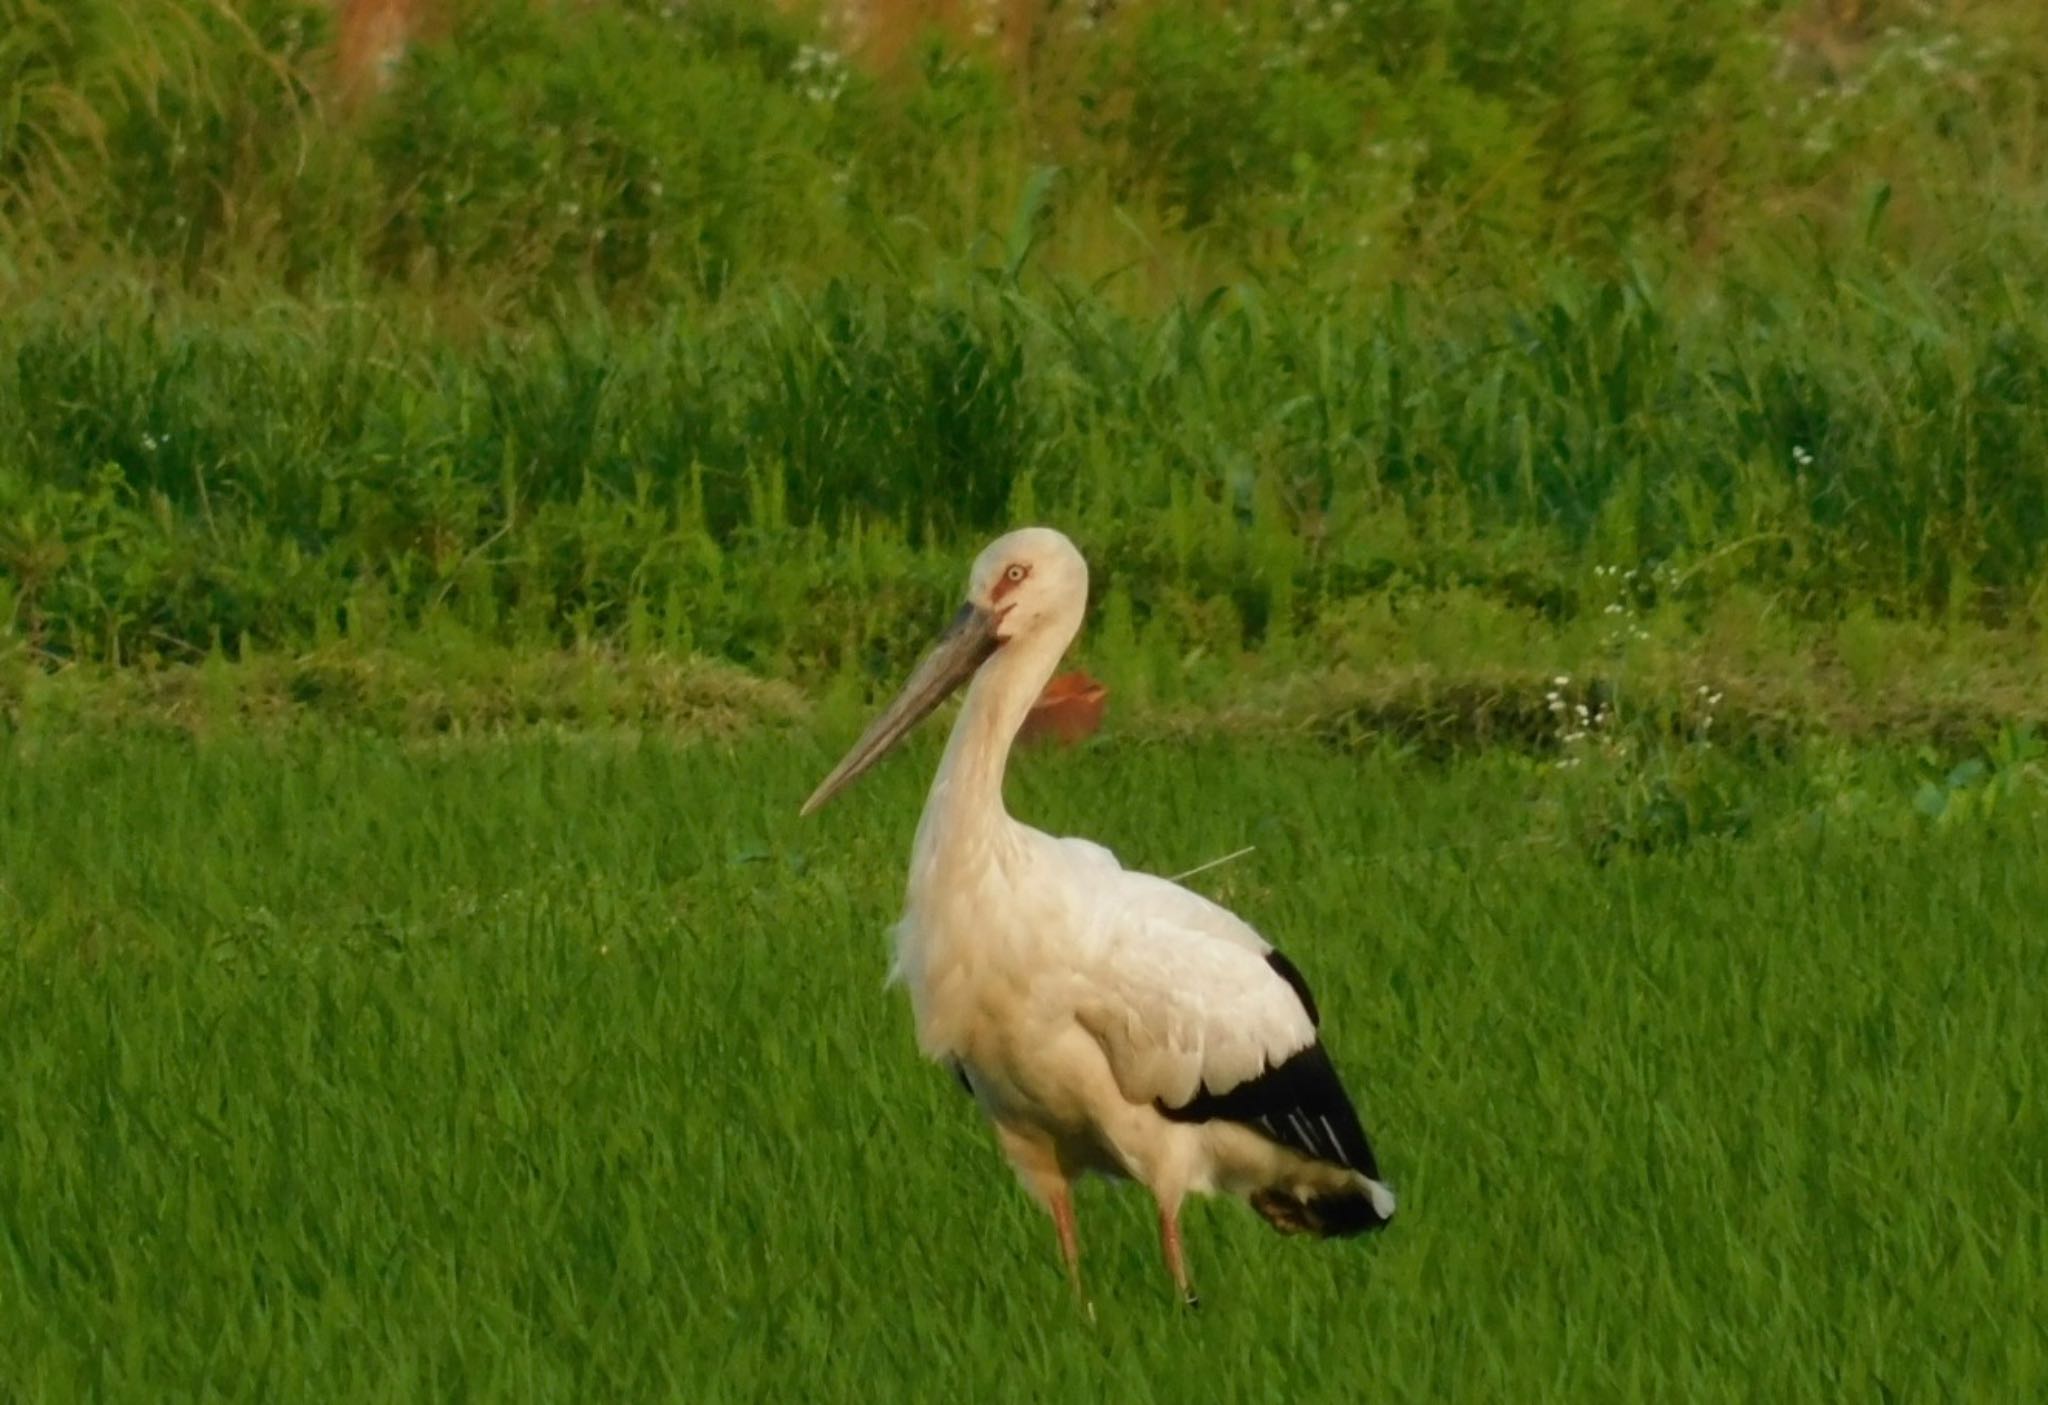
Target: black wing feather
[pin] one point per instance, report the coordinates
(1289, 972)
(1299, 1102)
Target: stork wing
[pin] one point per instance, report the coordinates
(1182, 994)
(1177, 1014)
(1200, 1016)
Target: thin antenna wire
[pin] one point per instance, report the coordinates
(1204, 867)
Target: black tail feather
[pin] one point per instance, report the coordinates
(1338, 1215)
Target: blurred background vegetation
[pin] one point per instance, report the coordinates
(1475, 338)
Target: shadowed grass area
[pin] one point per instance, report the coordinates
(351, 1069)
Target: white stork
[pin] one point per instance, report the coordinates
(1104, 1020)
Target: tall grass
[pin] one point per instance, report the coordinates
(744, 487)
(701, 328)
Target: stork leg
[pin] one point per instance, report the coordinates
(1061, 1203)
(1038, 1166)
(1176, 1262)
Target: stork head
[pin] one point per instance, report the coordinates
(1029, 583)
(1026, 593)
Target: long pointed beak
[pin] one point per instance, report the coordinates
(966, 644)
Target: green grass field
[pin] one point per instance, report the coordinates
(1568, 483)
(559, 1066)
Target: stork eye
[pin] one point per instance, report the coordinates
(1015, 574)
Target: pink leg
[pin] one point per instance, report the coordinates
(1176, 1263)
(1061, 1203)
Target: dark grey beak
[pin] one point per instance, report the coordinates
(963, 648)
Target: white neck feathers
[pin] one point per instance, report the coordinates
(964, 822)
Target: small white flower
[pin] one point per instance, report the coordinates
(1562, 680)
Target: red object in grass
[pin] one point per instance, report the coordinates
(1068, 711)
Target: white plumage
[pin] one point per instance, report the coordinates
(1105, 1020)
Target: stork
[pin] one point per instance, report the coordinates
(1105, 1020)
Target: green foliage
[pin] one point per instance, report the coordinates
(647, 152)
(674, 327)
(181, 139)
(1979, 788)
(1239, 470)
(595, 147)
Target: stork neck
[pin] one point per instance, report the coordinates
(964, 814)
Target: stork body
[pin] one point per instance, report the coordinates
(1105, 1020)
